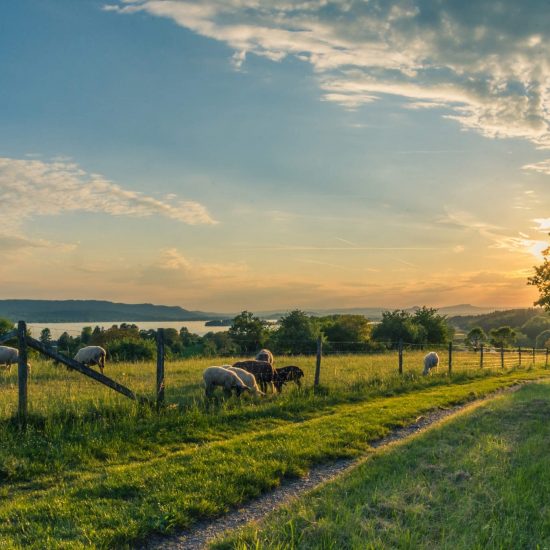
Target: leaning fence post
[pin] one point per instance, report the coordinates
(481, 356)
(519, 356)
(160, 368)
(400, 355)
(450, 357)
(318, 362)
(22, 372)
(502, 357)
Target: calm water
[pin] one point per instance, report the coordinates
(74, 329)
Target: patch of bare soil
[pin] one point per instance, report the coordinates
(205, 531)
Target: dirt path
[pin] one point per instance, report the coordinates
(204, 531)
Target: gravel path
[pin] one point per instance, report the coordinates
(204, 531)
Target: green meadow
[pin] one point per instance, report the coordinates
(478, 481)
(94, 469)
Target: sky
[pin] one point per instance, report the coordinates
(245, 154)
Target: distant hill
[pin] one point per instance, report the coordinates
(514, 318)
(74, 311)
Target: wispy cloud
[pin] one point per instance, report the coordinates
(481, 62)
(30, 188)
(542, 167)
(494, 234)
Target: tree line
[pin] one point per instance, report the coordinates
(295, 333)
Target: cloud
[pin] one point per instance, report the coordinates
(31, 188)
(487, 63)
(543, 224)
(542, 167)
(521, 243)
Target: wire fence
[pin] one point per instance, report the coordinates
(343, 365)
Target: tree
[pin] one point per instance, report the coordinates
(396, 325)
(541, 279)
(535, 326)
(5, 326)
(348, 328)
(475, 338)
(248, 332)
(297, 333)
(46, 336)
(436, 330)
(67, 344)
(502, 337)
(86, 335)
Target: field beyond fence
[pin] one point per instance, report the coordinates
(346, 368)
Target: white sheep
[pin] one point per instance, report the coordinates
(247, 377)
(227, 379)
(92, 355)
(265, 355)
(431, 361)
(8, 357)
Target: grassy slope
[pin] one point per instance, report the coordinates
(479, 481)
(211, 468)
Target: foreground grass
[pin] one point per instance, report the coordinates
(479, 481)
(69, 483)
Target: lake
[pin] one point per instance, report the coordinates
(74, 329)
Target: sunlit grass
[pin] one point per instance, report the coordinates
(480, 481)
(85, 444)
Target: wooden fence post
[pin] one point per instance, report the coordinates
(481, 357)
(400, 355)
(519, 356)
(546, 362)
(160, 368)
(450, 357)
(318, 362)
(534, 351)
(22, 373)
(502, 357)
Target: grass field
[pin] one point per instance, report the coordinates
(479, 481)
(95, 470)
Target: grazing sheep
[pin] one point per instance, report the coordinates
(264, 355)
(227, 379)
(262, 371)
(431, 361)
(92, 355)
(8, 357)
(248, 379)
(288, 374)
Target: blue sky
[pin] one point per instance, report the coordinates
(246, 154)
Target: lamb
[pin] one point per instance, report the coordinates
(248, 379)
(92, 355)
(431, 361)
(290, 373)
(8, 357)
(262, 371)
(264, 355)
(227, 379)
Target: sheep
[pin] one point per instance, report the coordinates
(288, 374)
(227, 379)
(8, 357)
(92, 355)
(262, 371)
(264, 355)
(431, 360)
(247, 378)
